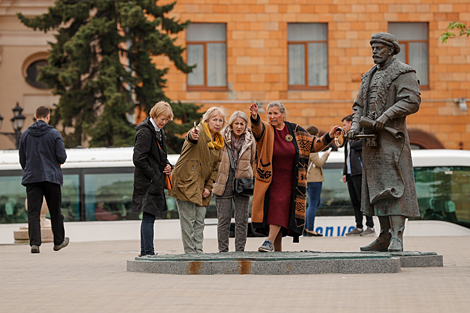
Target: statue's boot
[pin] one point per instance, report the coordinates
(396, 230)
(383, 241)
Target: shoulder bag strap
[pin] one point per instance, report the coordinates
(232, 166)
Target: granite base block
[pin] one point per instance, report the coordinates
(390, 265)
(169, 267)
(284, 263)
(422, 261)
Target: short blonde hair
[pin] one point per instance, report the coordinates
(212, 112)
(162, 108)
(236, 115)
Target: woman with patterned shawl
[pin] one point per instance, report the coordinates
(281, 177)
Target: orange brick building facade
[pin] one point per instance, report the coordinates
(257, 62)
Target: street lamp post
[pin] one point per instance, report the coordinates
(17, 122)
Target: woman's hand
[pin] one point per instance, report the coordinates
(206, 193)
(167, 169)
(254, 111)
(194, 133)
(335, 130)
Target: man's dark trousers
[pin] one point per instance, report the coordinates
(52, 193)
(354, 187)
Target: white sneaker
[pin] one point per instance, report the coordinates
(355, 232)
(368, 232)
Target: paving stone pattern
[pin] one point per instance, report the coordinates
(93, 277)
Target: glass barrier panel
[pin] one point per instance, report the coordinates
(108, 197)
(172, 212)
(12, 200)
(444, 193)
(71, 198)
(335, 200)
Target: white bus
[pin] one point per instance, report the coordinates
(98, 186)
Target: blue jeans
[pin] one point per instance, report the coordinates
(314, 191)
(146, 234)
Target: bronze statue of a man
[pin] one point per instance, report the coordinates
(388, 93)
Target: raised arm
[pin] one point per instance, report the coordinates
(320, 143)
(256, 125)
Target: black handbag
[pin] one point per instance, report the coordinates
(242, 186)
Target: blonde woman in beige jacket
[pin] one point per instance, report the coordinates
(314, 185)
(194, 174)
(239, 139)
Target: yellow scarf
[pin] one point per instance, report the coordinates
(219, 140)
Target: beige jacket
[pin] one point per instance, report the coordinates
(246, 161)
(195, 170)
(315, 167)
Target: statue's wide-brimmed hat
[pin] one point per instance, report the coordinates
(386, 39)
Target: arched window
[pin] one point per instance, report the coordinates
(32, 72)
(420, 139)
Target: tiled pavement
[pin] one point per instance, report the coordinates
(92, 277)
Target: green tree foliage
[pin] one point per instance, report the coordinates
(101, 63)
(454, 25)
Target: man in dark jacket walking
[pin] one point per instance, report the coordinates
(352, 174)
(41, 153)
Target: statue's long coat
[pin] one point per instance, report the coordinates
(388, 186)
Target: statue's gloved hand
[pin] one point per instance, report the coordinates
(379, 124)
(352, 134)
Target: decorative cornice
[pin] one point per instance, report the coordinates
(27, 7)
(25, 38)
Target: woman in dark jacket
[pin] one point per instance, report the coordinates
(151, 166)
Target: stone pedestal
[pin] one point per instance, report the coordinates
(21, 236)
(283, 263)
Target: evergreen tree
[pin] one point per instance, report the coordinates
(101, 63)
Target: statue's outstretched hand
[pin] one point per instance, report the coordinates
(254, 111)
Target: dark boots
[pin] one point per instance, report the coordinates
(396, 230)
(383, 241)
(391, 235)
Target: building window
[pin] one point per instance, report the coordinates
(207, 49)
(32, 73)
(413, 40)
(308, 55)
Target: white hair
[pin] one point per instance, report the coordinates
(278, 105)
(235, 115)
(212, 112)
